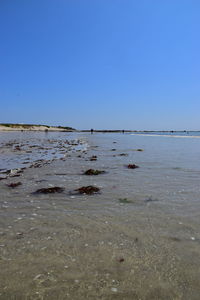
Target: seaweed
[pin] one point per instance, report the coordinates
(123, 154)
(124, 200)
(14, 184)
(93, 172)
(132, 166)
(89, 190)
(93, 158)
(51, 190)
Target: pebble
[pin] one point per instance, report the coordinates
(113, 289)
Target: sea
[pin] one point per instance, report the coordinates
(137, 238)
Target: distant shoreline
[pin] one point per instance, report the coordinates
(33, 127)
(46, 128)
(139, 131)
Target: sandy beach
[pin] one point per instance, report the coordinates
(137, 238)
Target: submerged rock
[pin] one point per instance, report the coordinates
(51, 190)
(14, 184)
(93, 172)
(89, 190)
(132, 166)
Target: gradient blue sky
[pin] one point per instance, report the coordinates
(106, 64)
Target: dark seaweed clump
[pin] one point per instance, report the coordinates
(89, 190)
(93, 158)
(17, 148)
(132, 166)
(124, 200)
(93, 172)
(51, 190)
(14, 184)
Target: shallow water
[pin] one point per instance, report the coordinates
(23, 148)
(137, 239)
(169, 133)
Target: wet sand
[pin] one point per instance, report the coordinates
(117, 244)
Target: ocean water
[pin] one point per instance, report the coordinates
(138, 238)
(170, 133)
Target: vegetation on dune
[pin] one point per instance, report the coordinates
(64, 127)
(15, 125)
(29, 126)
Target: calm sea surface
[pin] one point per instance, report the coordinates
(139, 238)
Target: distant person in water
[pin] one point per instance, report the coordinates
(92, 130)
(122, 131)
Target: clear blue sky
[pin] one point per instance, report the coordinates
(106, 64)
